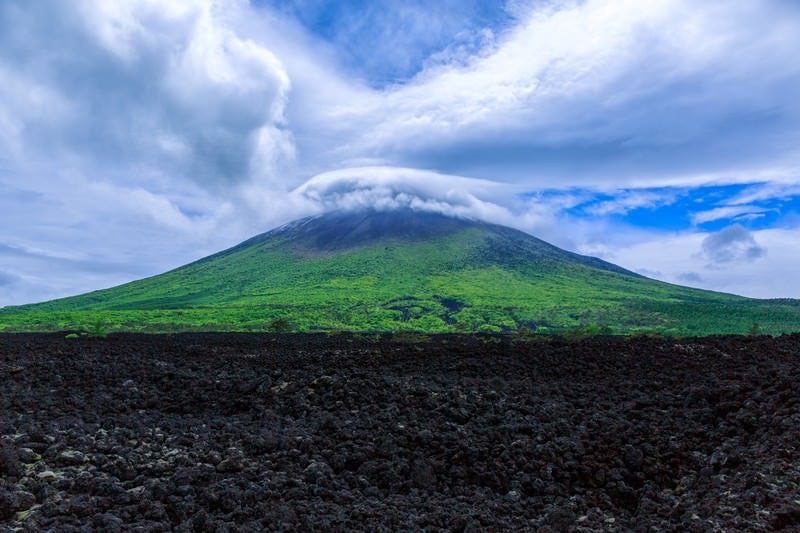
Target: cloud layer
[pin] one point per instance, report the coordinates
(386, 188)
(652, 92)
(145, 91)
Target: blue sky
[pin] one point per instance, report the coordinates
(138, 135)
(389, 42)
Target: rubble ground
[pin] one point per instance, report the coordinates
(238, 432)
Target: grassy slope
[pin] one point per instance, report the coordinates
(442, 284)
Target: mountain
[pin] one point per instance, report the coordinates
(402, 270)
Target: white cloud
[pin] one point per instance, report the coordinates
(395, 188)
(139, 90)
(542, 106)
(768, 191)
(727, 212)
(626, 201)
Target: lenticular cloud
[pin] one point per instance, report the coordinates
(388, 188)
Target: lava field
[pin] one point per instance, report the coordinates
(236, 432)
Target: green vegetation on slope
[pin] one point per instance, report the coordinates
(473, 277)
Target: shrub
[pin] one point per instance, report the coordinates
(586, 331)
(279, 325)
(97, 329)
(461, 327)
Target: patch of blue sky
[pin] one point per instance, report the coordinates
(388, 42)
(742, 204)
(708, 208)
(670, 217)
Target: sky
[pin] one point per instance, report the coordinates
(139, 135)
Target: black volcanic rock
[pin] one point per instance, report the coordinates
(450, 433)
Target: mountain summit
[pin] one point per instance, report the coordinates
(387, 270)
(343, 231)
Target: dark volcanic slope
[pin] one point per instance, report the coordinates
(344, 230)
(336, 433)
(340, 231)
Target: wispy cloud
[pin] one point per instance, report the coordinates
(727, 212)
(626, 201)
(766, 191)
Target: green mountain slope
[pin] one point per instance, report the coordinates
(402, 270)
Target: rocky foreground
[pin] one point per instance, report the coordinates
(247, 432)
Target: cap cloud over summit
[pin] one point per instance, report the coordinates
(386, 188)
